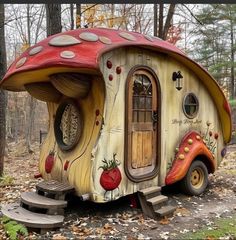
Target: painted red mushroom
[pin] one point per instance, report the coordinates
(79, 52)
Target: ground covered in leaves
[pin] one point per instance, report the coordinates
(118, 220)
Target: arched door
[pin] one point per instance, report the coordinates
(141, 125)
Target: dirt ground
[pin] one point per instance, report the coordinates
(118, 220)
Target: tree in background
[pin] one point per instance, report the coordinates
(174, 34)
(78, 16)
(163, 23)
(214, 44)
(2, 93)
(28, 28)
(205, 32)
(132, 17)
(53, 16)
(32, 101)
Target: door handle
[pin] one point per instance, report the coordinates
(154, 116)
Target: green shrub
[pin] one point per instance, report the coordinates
(6, 180)
(13, 229)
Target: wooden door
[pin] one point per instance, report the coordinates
(141, 125)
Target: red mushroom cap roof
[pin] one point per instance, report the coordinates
(82, 48)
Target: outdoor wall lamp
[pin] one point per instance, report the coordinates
(176, 77)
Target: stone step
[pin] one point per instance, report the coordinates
(32, 219)
(165, 211)
(150, 190)
(35, 200)
(157, 200)
(59, 189)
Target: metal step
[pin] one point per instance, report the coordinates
(150, 190)
(157, 200)
(165, 211)
(32, 219)
(35, 200)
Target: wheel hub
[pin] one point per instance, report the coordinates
(197, 178)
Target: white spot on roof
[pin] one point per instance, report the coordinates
(87, 36)
(127, 36)
(35, 50)
(63, 40)
(149, 38)
(105, 40)
(21, 62)
(67, 54)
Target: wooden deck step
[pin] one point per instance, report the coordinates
(31, 219)
(35, 200)
(150, 190)
(165, 211)
(59, 189)
(157, 200)
(153, 203)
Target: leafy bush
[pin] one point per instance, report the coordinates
(13, 229)
(6, 180)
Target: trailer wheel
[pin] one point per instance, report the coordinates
(196, 179)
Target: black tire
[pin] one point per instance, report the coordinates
(196, 179)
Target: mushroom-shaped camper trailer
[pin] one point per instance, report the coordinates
(126, 112)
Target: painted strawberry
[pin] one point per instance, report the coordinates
(49, 162)
(111, 175)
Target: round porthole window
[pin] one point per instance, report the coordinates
(190, 105)
(68, 125)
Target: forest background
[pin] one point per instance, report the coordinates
(205, 32)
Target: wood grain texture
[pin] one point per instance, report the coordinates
(31, 219)
(43, 91)
(141, 97)
(35, 200)
(113, 132)
(72, 85)
(78, 173)
(103, 140)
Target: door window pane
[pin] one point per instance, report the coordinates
(142, 101)
(148, 102)
(142, 98)
(149, 116)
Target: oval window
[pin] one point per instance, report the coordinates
(68, 125)
(190, 105)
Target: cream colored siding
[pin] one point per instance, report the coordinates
(113, 132)
(108, 137)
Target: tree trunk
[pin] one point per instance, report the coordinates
(16, 119)
(2, 93)
(78, 15)
(112, 15)
(72, 16)
(28, 24)
(32, 107)
(53, 15)
(155, 20)
(160, 27)
(168, 20)
(32, 103)
(163, 29)
(233, 93)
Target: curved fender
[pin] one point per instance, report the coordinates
(191, 146)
